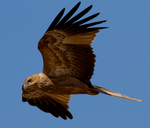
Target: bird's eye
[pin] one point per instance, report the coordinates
(29, 80)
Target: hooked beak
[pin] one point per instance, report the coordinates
(25, 86)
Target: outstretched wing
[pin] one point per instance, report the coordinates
(66, 46)
(57, 105)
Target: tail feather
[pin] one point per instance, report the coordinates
(112, 93)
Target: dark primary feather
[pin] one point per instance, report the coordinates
(56, 20)
(86, 19)
(64, 23)
(58, 17)
(76, 27)
(78, 16)
(68, 15)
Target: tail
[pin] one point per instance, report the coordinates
(109, 92)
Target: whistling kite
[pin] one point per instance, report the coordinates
(68, 64)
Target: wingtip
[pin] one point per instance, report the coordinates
(102, 27)
(78, 4)
(91, 6)
(63, 10)
(104, 20)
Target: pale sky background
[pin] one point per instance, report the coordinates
(122, 64)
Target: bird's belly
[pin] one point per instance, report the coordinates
(68, 85)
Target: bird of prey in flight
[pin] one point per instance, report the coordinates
(68, 64)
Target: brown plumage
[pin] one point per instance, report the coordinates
(68, 65)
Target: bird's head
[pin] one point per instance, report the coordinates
(35, 82)
(31, 82)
